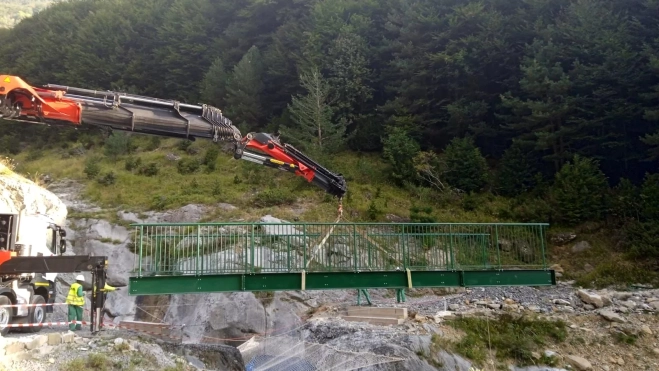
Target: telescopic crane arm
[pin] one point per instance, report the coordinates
(70, 106)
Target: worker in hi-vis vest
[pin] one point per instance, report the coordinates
(76, 301)
(105, 291)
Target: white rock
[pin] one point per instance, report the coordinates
(611, 316)
(579, 363)
(589, 298)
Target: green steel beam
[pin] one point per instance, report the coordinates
(164, 285)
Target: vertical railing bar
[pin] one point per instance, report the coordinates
(139, 271)
(450, 233)
(354, 247)
(542, 244)
(198, 265)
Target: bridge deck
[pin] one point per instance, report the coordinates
(214, 257)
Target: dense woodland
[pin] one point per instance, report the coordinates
(551, 103)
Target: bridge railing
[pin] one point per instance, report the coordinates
(245, 248)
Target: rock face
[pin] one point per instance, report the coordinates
(22, 196)
(96, 237)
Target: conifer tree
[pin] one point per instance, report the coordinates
(579, 192)
(312, 115)
(244, 87)
(400, 149)
(516, 173)
(466, 168)
(214, 84)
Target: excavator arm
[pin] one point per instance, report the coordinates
(70, 106)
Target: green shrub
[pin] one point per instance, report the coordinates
(159, 202)
(154, 143)
(422, 214)
(151, 169)
(188, 165)
(274, 197)
(400, 150)
(34, 155)
(92, 167)
(132, 163)
(650, 197)
(217, 189)
(117, 144)
(373, 211)
(183, 144)
(107, 179)
(210, 157)
(579, 191)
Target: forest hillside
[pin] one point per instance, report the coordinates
(442, 110)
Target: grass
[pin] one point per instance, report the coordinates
(609, 266)
(254, 189)
(508, 337)
(94, 361)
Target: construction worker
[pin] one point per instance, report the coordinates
(76, 301)
(107, 288)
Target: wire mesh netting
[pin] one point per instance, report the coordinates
(288, 353)
(224, 248)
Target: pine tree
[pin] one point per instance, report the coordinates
(541, 113)
(312, 115)
(214, 85)
(579, 192)
(348, 76)
(399, 150)
(244, 87)
(517, 171)
(466, 168)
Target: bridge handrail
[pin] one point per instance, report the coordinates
(199, 248)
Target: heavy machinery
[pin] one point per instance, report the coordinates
(27, 266)
(64, 105)
(31, 248)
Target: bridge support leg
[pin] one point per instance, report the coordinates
(400, 296)
(366, 295)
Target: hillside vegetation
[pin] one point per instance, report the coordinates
(523, 110)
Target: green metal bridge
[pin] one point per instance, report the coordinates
(179, 258)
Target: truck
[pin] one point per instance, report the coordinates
(32, 246)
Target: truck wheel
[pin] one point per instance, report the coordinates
(6, 315)
(36, 314)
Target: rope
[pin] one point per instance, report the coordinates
(322, 242)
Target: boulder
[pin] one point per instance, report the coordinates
(579, 363)
(23, 196)
(589, 298)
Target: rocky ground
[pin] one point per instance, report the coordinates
(109, 350)
(607, 330)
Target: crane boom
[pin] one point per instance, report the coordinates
(70, 106)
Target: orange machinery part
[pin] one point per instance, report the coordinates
(4, 256)
(48, 104)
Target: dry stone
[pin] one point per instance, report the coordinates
(611, 316)
(579, 363)
(37, 342)
(593, 299)
(54, 339)
(14, 347)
